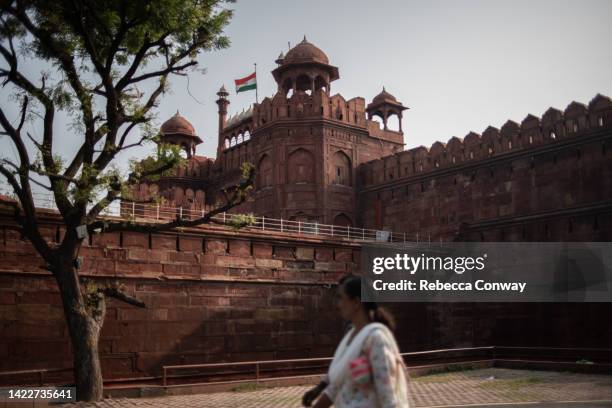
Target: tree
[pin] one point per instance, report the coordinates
(104, 53)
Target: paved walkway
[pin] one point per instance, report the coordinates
(477, 388)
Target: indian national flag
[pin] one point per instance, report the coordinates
(247, 83)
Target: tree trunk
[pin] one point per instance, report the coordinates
(84, 334)
(84, 316)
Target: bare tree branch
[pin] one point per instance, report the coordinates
(171, 69)
(28, 222)
(138, 59)
(122, 296)
(46, 148)
(24, 111)
(66, 60)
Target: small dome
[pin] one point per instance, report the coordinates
(177, 125)
(305, 52)
(384, 96)
(385, 99)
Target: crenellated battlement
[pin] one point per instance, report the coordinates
(554, 126)
(241, 128)
(321, 157)
(301, 105)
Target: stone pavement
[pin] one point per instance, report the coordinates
(466, 388)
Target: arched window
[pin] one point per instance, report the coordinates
(342, 169)
(343, 220)
(233, 141)
(247, 135)
(227, 143)
(301, 167)
(303, 84)
(393, 122)
(240, 139)
(320, 84)
(378, 118)
(184, 151)
(265, 175)
(287, 86)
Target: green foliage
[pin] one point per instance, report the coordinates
(238, 221)
(245, 169)
(98, 55)
(93, 297)
(248, 170)
(165, 162)
(183, 22)
(63, 98)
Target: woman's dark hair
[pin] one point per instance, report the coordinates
(351, 285)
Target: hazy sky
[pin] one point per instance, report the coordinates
(459, 65)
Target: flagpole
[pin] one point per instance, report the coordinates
(256, 98)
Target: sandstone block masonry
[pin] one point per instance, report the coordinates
(216, 295)
(211, 295)
(545, 179)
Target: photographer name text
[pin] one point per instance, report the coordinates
(437, 285)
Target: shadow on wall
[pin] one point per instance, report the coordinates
(198, 323)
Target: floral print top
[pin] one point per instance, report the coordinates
(386, 388)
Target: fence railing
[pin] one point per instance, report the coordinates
(149, 212)
(258, 365)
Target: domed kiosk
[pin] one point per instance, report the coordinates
(178, 130)
(305, 68)
(385, 105)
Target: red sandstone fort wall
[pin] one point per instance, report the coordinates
(215, 295)
(543, 180)
(211, 296)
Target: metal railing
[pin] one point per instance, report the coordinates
(39, 373)
(147, 212)
(257, 365)
(426, 358)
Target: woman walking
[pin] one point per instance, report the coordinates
(367, 370)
